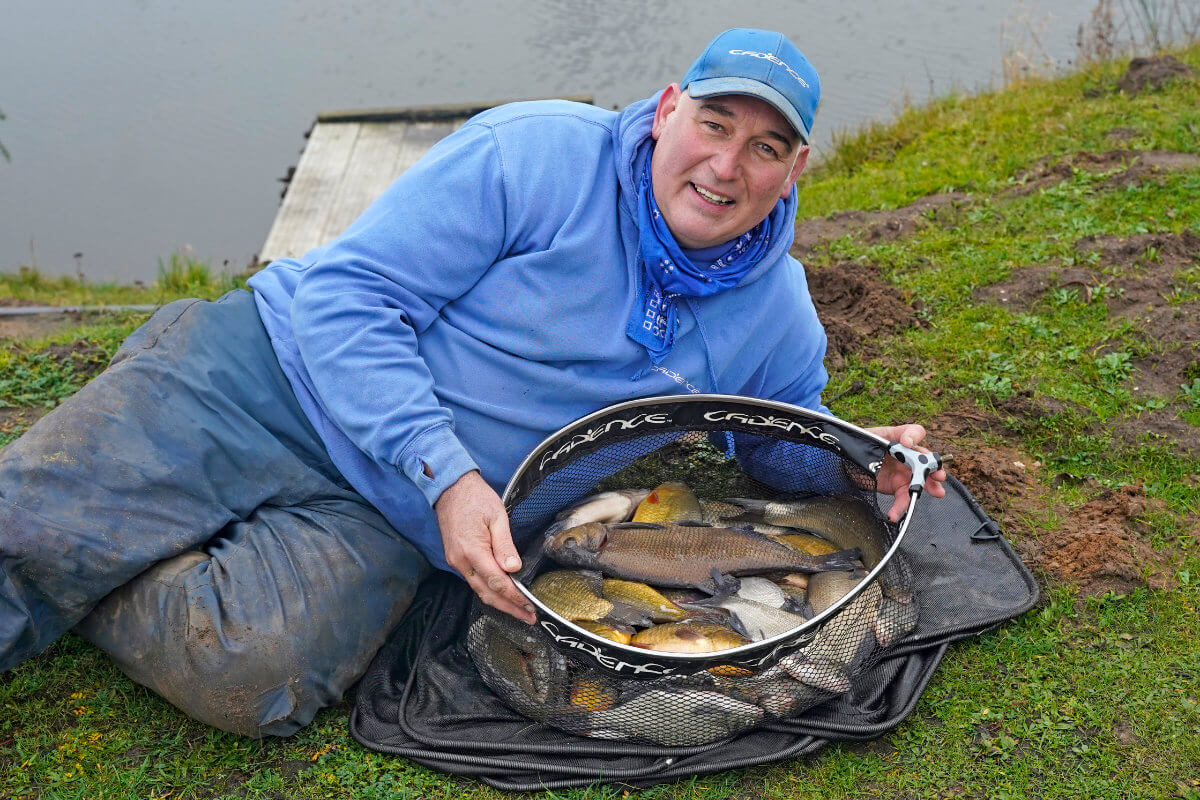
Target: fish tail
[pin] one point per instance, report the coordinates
(841, 561)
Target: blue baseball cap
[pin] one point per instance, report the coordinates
(762, 64)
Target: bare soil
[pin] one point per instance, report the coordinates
(858, 309)
(879, 226)
(1124, 167)
(34, 326)
(1152, 73)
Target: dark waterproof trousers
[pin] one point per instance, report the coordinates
(183, 513)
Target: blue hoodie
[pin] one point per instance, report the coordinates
(480, 304)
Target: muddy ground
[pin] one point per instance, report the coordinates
(1103, 545)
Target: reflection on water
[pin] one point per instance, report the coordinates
(140, 126)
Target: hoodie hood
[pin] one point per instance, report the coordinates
(633, 145)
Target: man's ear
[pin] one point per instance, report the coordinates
(797, 168)
(667, 103)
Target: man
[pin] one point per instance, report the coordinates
(247, 498)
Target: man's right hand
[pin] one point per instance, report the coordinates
(477, 543)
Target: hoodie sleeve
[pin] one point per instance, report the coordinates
(358, 309)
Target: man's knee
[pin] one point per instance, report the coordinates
(237, 659)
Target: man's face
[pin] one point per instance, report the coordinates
(720, 164)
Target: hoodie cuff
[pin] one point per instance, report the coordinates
(443, 453)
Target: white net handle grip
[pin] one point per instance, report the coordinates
(921, 464)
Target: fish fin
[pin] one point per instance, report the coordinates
(718, 583)
(693, 523)
(626, 614)
(736, 623)
(750, 505)
(842, 560)
(623, 526)
(617, 624)
(819, 675)
(791, 606)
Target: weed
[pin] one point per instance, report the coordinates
(1191, 392)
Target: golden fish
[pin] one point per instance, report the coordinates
(807, 543)
(571, 594)
(605, 631)
(592, 694)
(688, 637)
(668, 502)
(644, 598)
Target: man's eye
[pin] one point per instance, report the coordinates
(767, 150)
(713, 126)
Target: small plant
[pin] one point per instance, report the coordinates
(999, 386)
(1114, 366)
(1191, 391)
(1063, 296)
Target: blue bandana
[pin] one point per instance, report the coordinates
(667, 273)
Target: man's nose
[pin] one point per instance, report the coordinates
(725, 162)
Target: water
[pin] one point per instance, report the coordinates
(138, 127)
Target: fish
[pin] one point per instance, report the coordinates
(675, 718)
(668, 502)
(761, 590)
(616, 506)
(781, 695)
(894, 621)
(592, 694)
(688, 637)
(825, 662)
(572, 594)
(604, 631)
(807, 543)
(644, 598)
(846, 522)
(682, 555)
(757, 620)
(718, 512)
(519, 666)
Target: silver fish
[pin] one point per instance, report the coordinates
(781, 695)
(718, 512)
(894, 621)
(761, 590)
(675, 718)
(758, 620)
(617, 506)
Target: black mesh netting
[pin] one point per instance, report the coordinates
(463, 689)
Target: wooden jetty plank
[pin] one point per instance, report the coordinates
(301, 219)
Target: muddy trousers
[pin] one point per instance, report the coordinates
(182, 513)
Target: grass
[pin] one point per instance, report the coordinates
(1096, 697)
(180, 275)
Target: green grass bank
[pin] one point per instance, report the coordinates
(1029, 266)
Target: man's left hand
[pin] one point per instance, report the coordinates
(893, 476)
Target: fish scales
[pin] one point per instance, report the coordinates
(675, 555)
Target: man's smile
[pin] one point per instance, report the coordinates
(712, 197)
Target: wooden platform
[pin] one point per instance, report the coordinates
(350, 158)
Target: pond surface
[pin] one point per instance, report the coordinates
(139, 127)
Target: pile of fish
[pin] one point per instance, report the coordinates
(666, 571)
